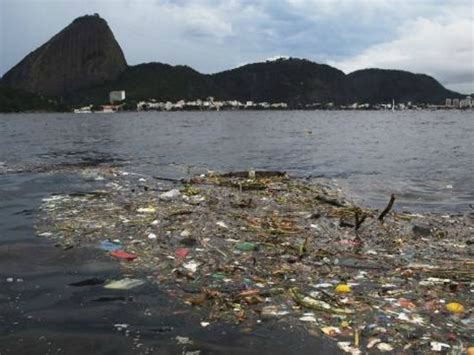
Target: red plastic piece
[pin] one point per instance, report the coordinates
(120, 254)
(182, 252)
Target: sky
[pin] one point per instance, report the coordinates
(435, 37)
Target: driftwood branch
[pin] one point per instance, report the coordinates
(388, 208)
(359, 219)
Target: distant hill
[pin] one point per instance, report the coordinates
(378, 85)
(293, 81)
(83, 54)
(151, 80)
(285, 80)
(83, 62)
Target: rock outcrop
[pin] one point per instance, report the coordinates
(82, 55)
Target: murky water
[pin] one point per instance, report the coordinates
(425, 158)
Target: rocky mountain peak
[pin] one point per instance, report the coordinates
(83, 54)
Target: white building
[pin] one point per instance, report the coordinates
(467, 102)
(116, 96)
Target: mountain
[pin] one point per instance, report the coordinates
(151, 80)
(379, 85)
(295, 81)
(83, 54)
(84, 62)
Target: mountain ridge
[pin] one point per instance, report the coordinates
(101, 67)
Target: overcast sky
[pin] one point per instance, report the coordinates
(425, 36)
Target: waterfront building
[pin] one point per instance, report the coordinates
(116, 96)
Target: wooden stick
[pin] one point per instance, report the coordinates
(359, 220)
(388, 208)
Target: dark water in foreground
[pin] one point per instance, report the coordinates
(425, 158)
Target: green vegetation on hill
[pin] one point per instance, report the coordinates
(380, 85)
(294, 81)
(150, 81)
(12, 100)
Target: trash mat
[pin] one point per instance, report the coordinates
(248, 247)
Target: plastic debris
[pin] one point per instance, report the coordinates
(170, 195)
(192, 266)
(124, 284)
(152, 236)
(343, 288)
(183, 340)
(121, 326)
(246, 246)
(323, 285)
(348, 348)
(120, 254)
(182, 252)
(308, 317)
(146, 210)
(437, 346)
(455, 307)
(384, 347)
(109, 245)
(222, 224)
(269, 246)
(273, 311)
(331, 331)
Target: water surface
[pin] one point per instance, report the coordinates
(425, 158)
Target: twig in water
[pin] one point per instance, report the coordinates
(388, 208)
(359, 219)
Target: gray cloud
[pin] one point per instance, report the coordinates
(213, 35)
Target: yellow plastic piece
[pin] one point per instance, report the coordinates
(343, 288)
(455, 307)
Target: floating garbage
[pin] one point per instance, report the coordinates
(455, 307)
(308, 317)
(437, 346)
(146, 210)
(108, 245)
(183, 340)
(249, 248)
(331, 331)
(152, 236)
(120, 254)
(343, 288)
(182, 252)
(124, 284)
(191, 266)
(246, 246)
(170, 195)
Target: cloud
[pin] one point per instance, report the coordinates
(442, 49)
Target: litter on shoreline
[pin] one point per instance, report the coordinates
(252, 246)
